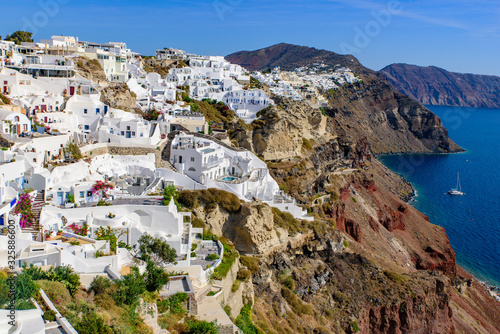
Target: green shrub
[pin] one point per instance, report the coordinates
(191, 199)
(244, 275)
(198, 223)
(306, 144)
(287, 280)
(355, 327)
(56, 291)
(251, 262)
(297, 305)
(346, 244)
(236, 285)
(49, 315)
(285, 220)
(213, 257)
(244, 321)
(177, 302)
(4, 99)
(395, 277)
(202, 327)
(354, 200)
(100, 284)
(193, 254)
(230, 255)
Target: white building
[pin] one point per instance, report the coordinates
(213, 165)
(14, 123)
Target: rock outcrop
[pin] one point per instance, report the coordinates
(119, 96)
(436, 86)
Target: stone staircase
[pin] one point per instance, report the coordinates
(37, 207)
(168, 165)
(153, 324)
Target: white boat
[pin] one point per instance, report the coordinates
(458, 190)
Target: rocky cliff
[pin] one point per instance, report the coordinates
(116, 95)
(436, 86)
(371, 108)
(369, 263)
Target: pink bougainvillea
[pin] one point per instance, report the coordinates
(80, 230)
(24, 208)
(101, 188)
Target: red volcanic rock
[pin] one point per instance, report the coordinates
(370, 186)
(434, 259)
(373, 224)
(391, 219)
(353, 229)
(347, 226)
(345, 193)
(426, 313)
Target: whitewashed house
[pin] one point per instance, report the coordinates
(88, 110)
(241, 172)
(14, 123)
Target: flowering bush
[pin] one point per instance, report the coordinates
(80, 230)
(101, 188)
(110, 234)
(24, 208)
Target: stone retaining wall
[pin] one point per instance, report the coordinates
(89, 152)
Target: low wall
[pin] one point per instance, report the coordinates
(92, 150)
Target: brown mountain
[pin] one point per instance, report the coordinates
(289, 57)
(370, 108)
(436, 86)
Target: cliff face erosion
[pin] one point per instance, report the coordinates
(436, 86)
(369, 263)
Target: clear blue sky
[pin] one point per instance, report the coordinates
(458, 35)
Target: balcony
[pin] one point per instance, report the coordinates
(211, 164)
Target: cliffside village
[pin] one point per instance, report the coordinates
(84, 165)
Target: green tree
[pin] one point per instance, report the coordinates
(203, 327)
(155, 276)
(169, 193)
(101, 284)
(26, 288)
(130, 287)
(156, 250)
(92, 323)
(20, 36)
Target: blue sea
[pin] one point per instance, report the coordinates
(471, 221)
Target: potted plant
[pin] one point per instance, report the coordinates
(59, 232)
(47, 234)
(111, 215)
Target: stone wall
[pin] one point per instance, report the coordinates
(235, 300)
(89, 151)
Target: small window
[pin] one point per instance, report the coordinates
(142, 135)
(192, 159)
(86, 127)
(133, 133)
(89, 193)
(123, 133)
(128, 127)
(84, 111)
(82, 194)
